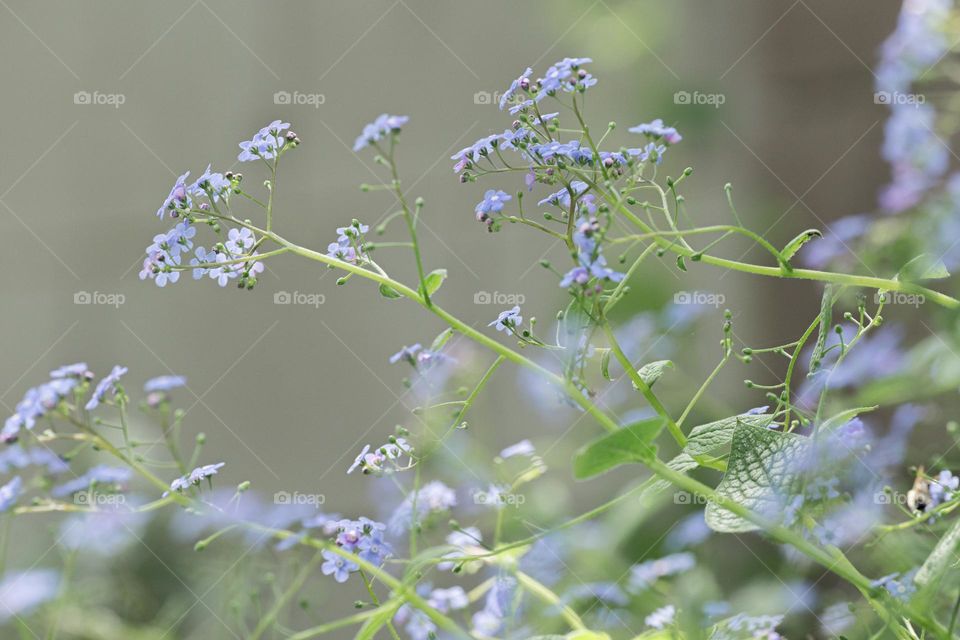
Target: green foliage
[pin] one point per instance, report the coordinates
(633, 443)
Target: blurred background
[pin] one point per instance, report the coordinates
(107, 102)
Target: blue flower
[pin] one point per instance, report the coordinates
(407, 354)
(567, 76)
(508, 320)
(643, 575)
(39, 401)
(210, 183)
(195, 477)
(562, 197)
(266, 144)
(492, 202)
(374, 550)
(24, 591)
(203, 256)
(433, 497)
(106, 384)
(164, 383)
(100, 475)
(239, 241)
(522, 83)
(472, 154)
(661, 617)
(943, 487)
(9, 494)
(337, 566)
(178, 199)
(657, 131)
(376, 130)
(78, 370)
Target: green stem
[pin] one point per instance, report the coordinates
(549, 597)
(285, 598)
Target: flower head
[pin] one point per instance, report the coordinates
(178, 199)
(493, 201)
(266, 144)
(656, 130)
(522, 83)
(384, 125)
(105, 385)
(508, 320)
(9, 494)
(164, 383)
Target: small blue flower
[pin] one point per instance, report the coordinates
(661, 617)
(9, 494)
(178, 200)
(376, 130)
(24, 591)
(508, 320)
(266, 144)
(374, 550)
(195, 477)
(337, 566)
(214, 183)
(493, 201)
(106, 384)
(164, 383)
(657, 131)
(522, 83)
(78, 370)
(407, 354)
(239, 241)
(100, 475)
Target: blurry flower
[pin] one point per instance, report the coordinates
(643, 575)
(433, 497)
(522, 448)
(108, 383)
(196, 476)
(657, 130)
(21, 592)
(900, 586)
(498, 604)
(164, 383)
(661, 617)
(943, 487)
(105, 532)
(9, 494)
(100, 475)
(383, 125)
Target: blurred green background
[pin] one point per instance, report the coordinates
(287, 394)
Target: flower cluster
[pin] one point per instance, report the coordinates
(364, 538)
(380, 128)
(268, 143)
(196, 477)
(384, 459)
(349, 246)
(39, 401)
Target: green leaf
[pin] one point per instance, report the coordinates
(633, 443)
(762, 469)
(941, 558)
(650, 373)
(434, 279)
(826, 315)
(709, 437)
(794, 245)
(924, 267)
(389, 292)
(441, 339)
(844, 417)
